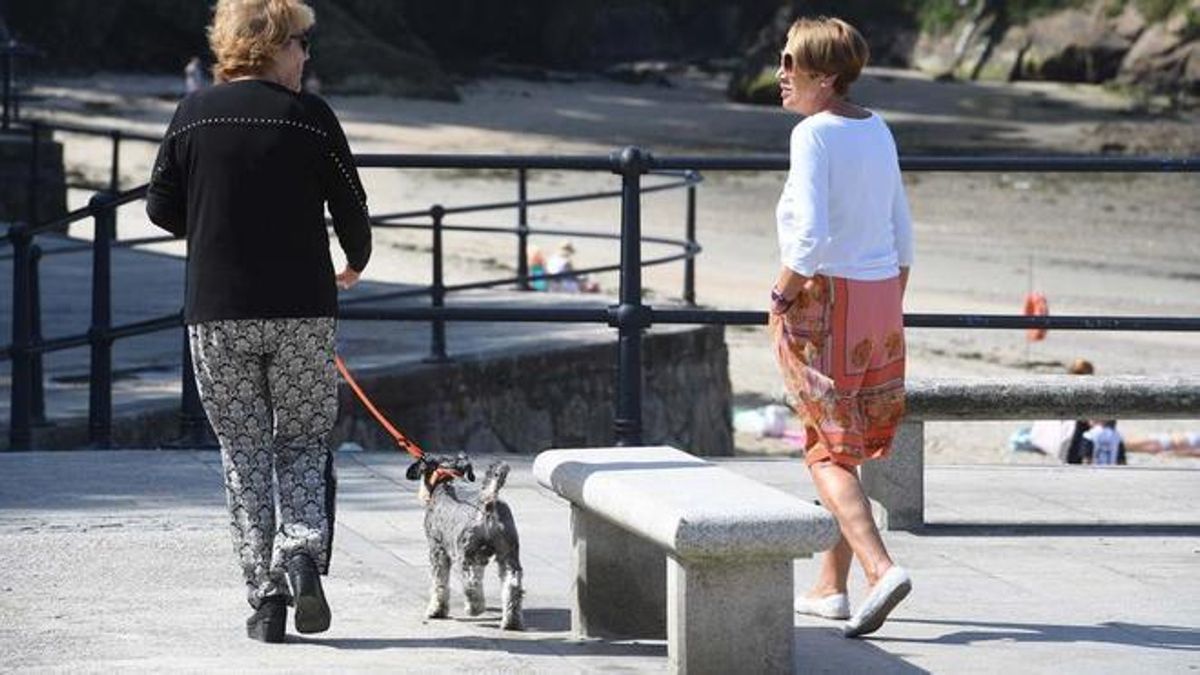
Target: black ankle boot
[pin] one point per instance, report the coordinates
(312, 612)
(268, 622)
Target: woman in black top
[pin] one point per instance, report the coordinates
(244, 173)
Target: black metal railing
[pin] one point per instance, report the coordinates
(630, 316)
(10, 98)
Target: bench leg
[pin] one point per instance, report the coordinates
(620, 581)
(730, 616)
(897, 484)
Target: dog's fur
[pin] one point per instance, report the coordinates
(467, 531)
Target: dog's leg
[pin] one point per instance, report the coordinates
(439, 583)
(472, 583)
(511, 594)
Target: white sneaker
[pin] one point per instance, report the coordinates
(891, 588)
(834, 606)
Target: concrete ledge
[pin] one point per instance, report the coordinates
(689, 507)
(896, 485)
(1053, 397)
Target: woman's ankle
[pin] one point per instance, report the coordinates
(881, 568)
(824, 591)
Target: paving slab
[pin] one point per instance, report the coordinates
(121, 561)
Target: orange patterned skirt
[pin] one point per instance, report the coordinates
(840, 346)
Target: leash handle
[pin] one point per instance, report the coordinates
(401, 440)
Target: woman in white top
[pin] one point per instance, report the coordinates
(845, 240)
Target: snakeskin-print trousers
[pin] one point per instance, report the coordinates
(269, 388)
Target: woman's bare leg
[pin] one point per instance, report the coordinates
(835, 568)
(842, 493)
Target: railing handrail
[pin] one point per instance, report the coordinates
(775, 162)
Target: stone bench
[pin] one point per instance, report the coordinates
(896, 485)
(669, 545)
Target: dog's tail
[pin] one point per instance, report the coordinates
(493, 480)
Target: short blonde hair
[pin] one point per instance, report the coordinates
(246, 34)
(830, 47)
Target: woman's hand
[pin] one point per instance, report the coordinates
(789, 285)
(779, 303)
(347, 278)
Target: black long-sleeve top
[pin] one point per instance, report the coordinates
(244, 172)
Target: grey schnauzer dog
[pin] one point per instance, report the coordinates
(467, 530)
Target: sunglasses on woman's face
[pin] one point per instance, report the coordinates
(786, 62)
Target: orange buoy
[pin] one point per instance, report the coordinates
(1036, 305)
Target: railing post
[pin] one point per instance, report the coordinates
(38, 394)
(114, 179)
(35, 133)
(7, 86)
(100, 380)
(689, 265)
(630, 317)
(437, 347)
(522, 230)
(20, 436)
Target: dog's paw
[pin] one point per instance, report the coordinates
(437, 610)
(512, 622)
(474, 609)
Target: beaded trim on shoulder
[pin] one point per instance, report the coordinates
(264, 121)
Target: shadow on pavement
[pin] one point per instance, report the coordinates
(820, 649)
(1175, 638)
(511, 645)
(1059, 530)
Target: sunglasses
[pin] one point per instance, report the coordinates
(304, 40)
(788, 63)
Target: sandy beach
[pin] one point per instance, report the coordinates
(1094, 244)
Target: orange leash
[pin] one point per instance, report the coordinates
(398, 436)
(405, 443)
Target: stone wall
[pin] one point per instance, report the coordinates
(525, 402)
(519, 401)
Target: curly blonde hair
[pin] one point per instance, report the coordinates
(828, 46)
(246, 34)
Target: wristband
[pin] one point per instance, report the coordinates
(779, 304)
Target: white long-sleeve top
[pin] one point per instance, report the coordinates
(843, 211)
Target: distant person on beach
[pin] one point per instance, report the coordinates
(1179, 444)
(1087, 434)
(560, 263)
(836, 323)
(193, 76)
(537, 268)
(245, 172)
(1104, 443)
(1098, 441)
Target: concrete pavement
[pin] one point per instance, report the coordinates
(121, 561)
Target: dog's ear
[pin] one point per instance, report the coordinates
(414, 470)
(470, 473)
